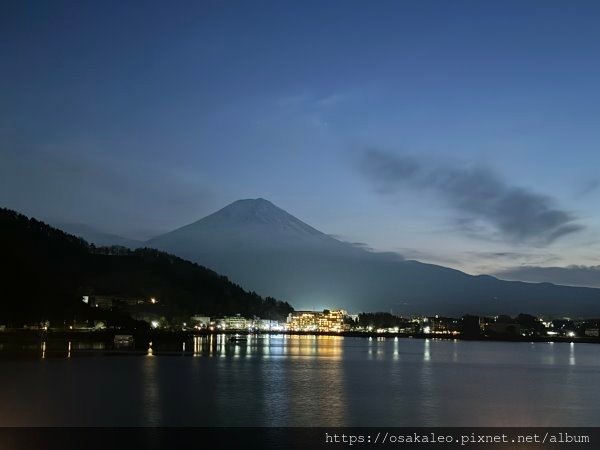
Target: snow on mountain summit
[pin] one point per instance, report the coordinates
(253, 212)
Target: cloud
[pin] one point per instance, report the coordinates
(590, 186)
(61, 184)
(332, 99)
(313, 101)
(587, 276)
(479, 197)
(428, 256)
(524, 257)
(362, 245)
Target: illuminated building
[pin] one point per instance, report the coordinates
(332, 321)
(303, 321)
(235, 323)
(441, 325)
(200, 321)
(326, 321)
(267, 325)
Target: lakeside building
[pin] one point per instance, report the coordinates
(200, 321)
(441, 325)
(407, 327)
(267, 325)
(302, 321)
(326, 321)
(236, 322)
(159, 316)
(332, 321)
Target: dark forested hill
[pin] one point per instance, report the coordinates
(46, 272)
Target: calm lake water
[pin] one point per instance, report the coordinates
(304, 381)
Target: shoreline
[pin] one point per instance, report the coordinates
(32, 336)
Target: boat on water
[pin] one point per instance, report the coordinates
(237, 339)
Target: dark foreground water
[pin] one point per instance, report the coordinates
(304, 381)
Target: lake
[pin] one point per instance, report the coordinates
(302, 381)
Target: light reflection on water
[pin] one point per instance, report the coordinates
(428, 406)
(282, 380)
(151, 399)
(267, 346)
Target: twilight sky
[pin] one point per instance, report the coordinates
(461, 133)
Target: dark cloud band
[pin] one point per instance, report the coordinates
(476, 194)
(587, 276)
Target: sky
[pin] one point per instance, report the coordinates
(459, 133)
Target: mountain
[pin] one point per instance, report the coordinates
(270, 251)
(253, 227)
(571, 275)
(96, 237)
(47, 271)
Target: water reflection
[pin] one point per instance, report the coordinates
(315, 384)
(288, 346)
(283, 380)
(151, 405)
(396, 352)
(267, 346)
(427, 351)
(428, 406)
(377, 348)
